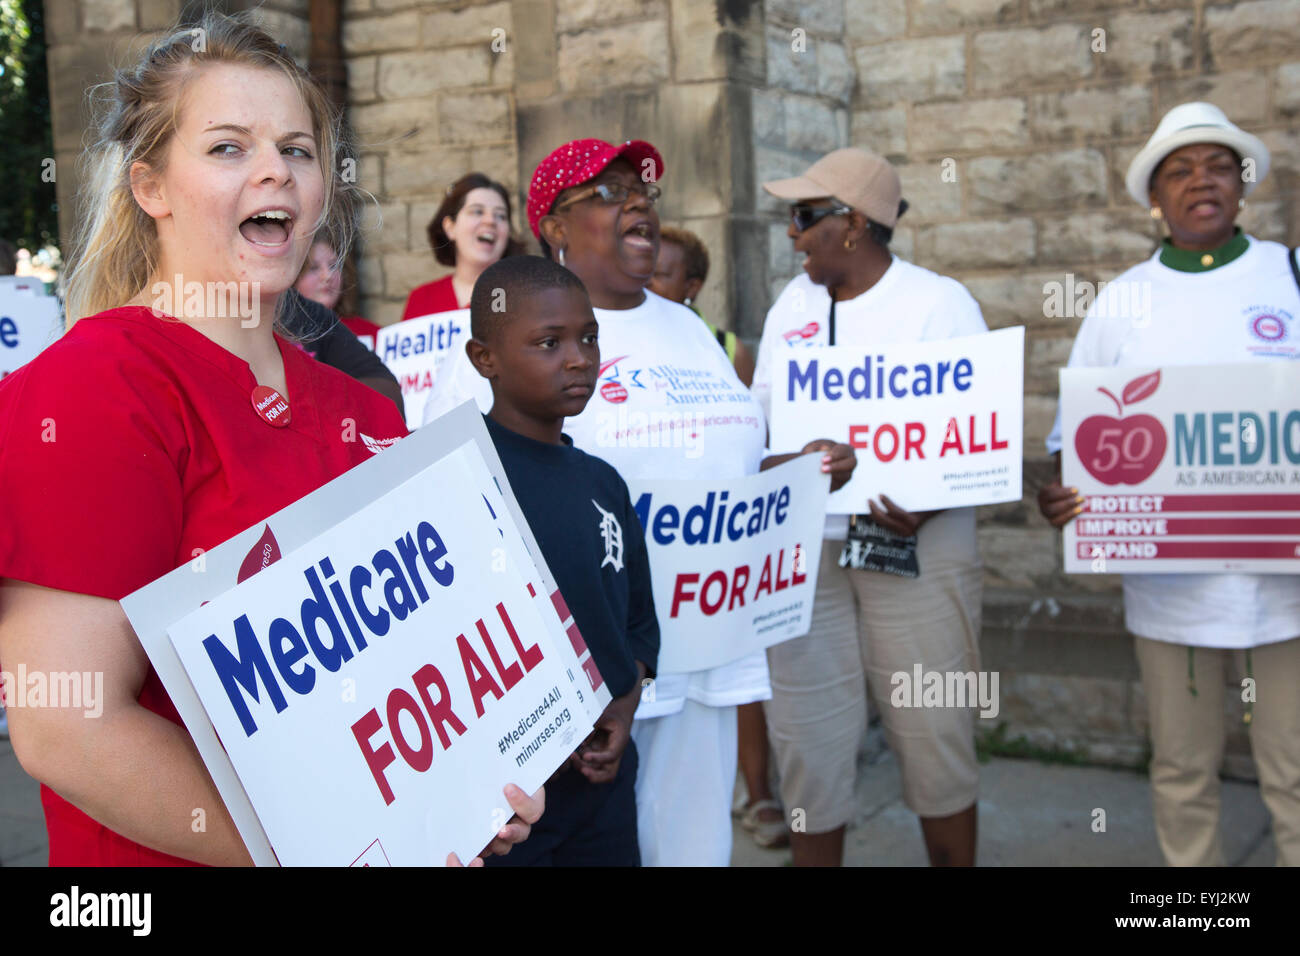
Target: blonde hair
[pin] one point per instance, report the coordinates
(115, 247)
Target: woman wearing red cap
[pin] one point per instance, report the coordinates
(216, 167)
(591, 204)
(1212, 294)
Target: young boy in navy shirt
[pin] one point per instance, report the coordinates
(534, 338)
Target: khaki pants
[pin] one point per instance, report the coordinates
(866, 627)
(1187, 734)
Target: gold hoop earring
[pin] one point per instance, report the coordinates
(850, 244)
(1155, 212)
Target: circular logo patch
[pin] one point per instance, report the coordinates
(1268, 327)
(613, 392)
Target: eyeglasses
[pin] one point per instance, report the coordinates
(805, 217)
(614, 193)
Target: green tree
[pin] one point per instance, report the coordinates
(28, 207)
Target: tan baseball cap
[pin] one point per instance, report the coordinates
(856, 177)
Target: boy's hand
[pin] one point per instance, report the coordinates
(601, 753)
(599, 756)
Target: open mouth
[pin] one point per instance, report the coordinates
(640, 236)
(1204, 206)
(488, 239)
(271, 227)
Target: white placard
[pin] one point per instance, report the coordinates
(160, 605)
(1183, 469)
(29, 321)
(935, 424)
(386, 680)
(733, 562)
(415, 349)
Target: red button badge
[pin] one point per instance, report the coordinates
(271, 405)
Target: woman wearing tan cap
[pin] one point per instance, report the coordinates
(867, 624)
(1216, 295)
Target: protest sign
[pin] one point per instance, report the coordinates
(1197, 470)
(733, 562)
(415, 349)
(430, 602)
(29, 321)
(935, 424)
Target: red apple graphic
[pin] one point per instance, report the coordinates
(1123, 451)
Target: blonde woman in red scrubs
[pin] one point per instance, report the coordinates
(217, 166)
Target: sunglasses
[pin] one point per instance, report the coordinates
(805, 217)
(614, 193)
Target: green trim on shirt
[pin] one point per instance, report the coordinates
(1189, 260)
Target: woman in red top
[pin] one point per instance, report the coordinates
(470, 231)
(213, 172)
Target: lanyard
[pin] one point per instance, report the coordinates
(831, 320)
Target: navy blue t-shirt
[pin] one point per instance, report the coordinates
(580, 511)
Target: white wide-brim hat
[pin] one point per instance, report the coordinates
(1187, 124)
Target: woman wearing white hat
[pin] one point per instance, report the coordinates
(1208, 283)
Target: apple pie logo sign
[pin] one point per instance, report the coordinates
(1123, 451)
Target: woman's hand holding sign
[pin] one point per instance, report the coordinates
(1059, 504)
(895, 519)
(838, 460)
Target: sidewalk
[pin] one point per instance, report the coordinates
(1034, 814)
(1031, 814)
(22, 823)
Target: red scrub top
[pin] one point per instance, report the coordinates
(432, 297)
(132, 441)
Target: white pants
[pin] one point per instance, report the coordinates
(684, 786)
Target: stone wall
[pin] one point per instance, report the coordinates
(439, 89)
(431, 97)
(801, 113)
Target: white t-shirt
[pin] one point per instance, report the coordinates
(1243, 311)
(668, 405)
(907, 304)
